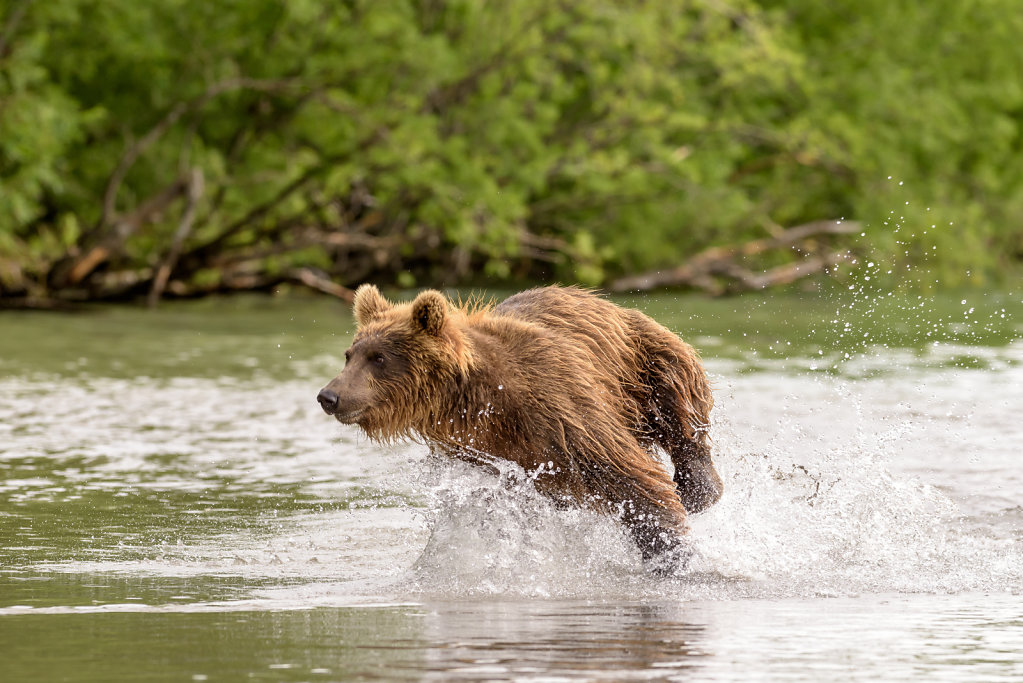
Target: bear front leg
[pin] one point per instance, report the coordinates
(659, 534)
(650, 510)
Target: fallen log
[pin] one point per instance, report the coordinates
(719, 270)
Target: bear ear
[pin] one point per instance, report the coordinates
(429, 310)
(368, 304)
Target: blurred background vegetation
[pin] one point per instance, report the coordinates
(182, 147)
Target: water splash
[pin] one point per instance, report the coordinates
(816, 509)
(493, 534)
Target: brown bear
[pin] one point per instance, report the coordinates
(571, 387)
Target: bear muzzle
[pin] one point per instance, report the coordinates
(328, 400)
(344, 411)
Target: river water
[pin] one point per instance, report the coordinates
(175, 506)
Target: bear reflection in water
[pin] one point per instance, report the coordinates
(571, 387)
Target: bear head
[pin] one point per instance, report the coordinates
(403, 359)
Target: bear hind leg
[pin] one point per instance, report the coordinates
(696, 480)
(677, 415)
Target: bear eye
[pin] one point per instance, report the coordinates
(377, 359)
(348, 356)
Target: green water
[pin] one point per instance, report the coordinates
(174, 506)
(254, 335)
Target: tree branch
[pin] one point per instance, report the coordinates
(194, 193)
(201, 252)
(321, 283)
(706, 269)
(77, 269)
(136, 150)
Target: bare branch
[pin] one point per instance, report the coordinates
(321, 283)
(706, 269)
(195, 189)
(136, 150)
(79, 268)
(199, 253)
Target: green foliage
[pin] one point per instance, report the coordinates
(447, 141)
(930, 95)
(39, 122)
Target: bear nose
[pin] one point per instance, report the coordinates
(328, 400)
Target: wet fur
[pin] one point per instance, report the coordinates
(558, 380)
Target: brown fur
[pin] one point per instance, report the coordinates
(551, 375)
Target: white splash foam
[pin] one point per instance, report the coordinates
(815, 509)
